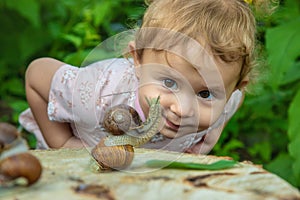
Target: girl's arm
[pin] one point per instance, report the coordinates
(38, 81)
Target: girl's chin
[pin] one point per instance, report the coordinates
(171, 134)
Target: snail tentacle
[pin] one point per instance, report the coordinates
(143, 133)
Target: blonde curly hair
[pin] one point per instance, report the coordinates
(227, 27)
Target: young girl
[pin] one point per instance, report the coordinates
(196, 55)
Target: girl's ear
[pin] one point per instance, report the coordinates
(133, 53)
(243, 83)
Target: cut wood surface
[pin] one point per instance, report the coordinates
(72, 174)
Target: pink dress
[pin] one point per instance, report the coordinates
(81, 96)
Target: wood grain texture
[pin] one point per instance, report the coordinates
(71, 174)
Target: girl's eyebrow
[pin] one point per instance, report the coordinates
(212, 85)
(217, 89)
(171, 71)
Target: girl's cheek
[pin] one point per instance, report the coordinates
(205, 118)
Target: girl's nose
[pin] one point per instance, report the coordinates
(183, 108)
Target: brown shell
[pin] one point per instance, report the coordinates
(20, 165)
(119, 119)
(113, 157)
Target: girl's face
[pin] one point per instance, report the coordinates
(191, 99)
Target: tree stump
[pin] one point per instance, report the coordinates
(71, 174)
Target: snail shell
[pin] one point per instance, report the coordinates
(8, 134)
(119, 119)
(113, 157)
(20, 165)
(117, 151)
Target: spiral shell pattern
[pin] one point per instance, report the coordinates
(142, 134)
(114, 157)
(120, 119)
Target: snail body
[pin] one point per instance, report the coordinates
(117, 151)
(142, 134)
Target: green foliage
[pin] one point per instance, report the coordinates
(67, 30)
(294, 136)
(283, 46)
(171, 164)
(268, 124)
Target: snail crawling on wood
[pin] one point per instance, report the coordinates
(15, 161)
(127, 131)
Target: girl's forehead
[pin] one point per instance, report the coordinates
(200, 62)
(198, 51)
(172, 64)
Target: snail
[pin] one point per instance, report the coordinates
(15, 161)
(8, 134)
(116, 151)
(113, 157)
(22, 165)
(119, 119)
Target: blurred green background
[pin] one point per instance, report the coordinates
(265, 130)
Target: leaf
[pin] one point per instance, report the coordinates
(294, 150)
(293, 116)
(221, 164)
(29, 9)
(263, 149)
(281, 166)
(293, 74)
(75, 40)
(283, 46)
(76, 58)
(15, 86)
(294, 134)
(289, 11)
(19, 105)
(233, 144)
(101, 12)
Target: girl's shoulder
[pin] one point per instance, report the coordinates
(108, 69)
(111, 64)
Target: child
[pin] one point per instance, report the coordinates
(196, 55)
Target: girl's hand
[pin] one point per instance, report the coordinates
(207, 142)
(73, 142)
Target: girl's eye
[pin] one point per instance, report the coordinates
(171, 84)
(205, 94)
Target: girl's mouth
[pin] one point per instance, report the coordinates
(172, 125)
